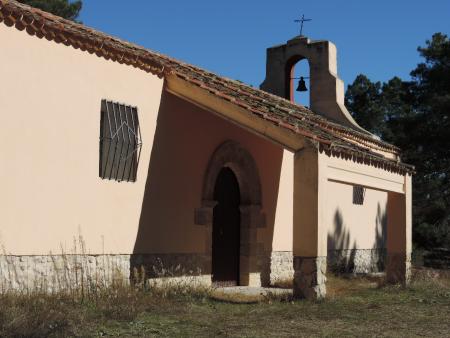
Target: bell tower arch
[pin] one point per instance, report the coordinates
(326, 89)
(297, 72)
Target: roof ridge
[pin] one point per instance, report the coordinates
(275, 109)
(308, 113)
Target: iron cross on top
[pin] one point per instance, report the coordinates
(302, 20)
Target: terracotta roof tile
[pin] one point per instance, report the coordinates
(331, 136)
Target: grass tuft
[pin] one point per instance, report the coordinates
(84, 302)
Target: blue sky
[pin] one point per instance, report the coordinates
(377, 38)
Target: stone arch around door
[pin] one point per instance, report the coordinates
(232, 155)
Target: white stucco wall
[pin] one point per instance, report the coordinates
(353, 226)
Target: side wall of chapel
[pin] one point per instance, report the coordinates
(54, 202)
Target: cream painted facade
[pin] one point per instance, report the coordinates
(51, 190)
(54, 179)
(353, 226)
(50, 107)
(349, 226)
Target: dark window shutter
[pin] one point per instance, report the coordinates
(120, 142)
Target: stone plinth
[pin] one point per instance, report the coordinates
(310, 277)
(398, 268)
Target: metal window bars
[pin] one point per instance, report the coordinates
(120, 142)
(359, 193)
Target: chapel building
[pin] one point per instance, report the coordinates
(161, 166)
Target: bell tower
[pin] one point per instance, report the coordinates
(327, 90)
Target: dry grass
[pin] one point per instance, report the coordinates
(77, 295)
(356, 307)
(64, 314)
(96, 306)
(340, 286)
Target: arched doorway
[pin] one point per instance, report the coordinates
(232, 171)
(226, 229)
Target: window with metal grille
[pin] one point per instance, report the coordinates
(358, 194)
(120, 142)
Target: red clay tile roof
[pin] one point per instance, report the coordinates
(332, 137)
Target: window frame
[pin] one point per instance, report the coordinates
(359, 194)
(120, 141)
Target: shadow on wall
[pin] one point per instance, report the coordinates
(168, 242)
(380, 238)
(162, 246)
(341, 254)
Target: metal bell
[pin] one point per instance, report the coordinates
(301, 85)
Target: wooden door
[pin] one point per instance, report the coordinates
(226, 230)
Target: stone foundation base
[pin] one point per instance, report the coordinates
(276, 268)
(398, 268)
(254, 279)
(190, 281)
(360, 261)
(171, 265)
(310, 277)
(57, 272)
(281, 267)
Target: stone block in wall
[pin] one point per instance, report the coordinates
(281, 267)
(172, 265)
(56, 272)
(360, 261)
(310, 277)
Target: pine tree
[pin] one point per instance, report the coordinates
(415, 115)
(63, 8)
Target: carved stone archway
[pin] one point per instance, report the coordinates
(232, 155)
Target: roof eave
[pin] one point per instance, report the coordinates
(230, 111)
(204, 98)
